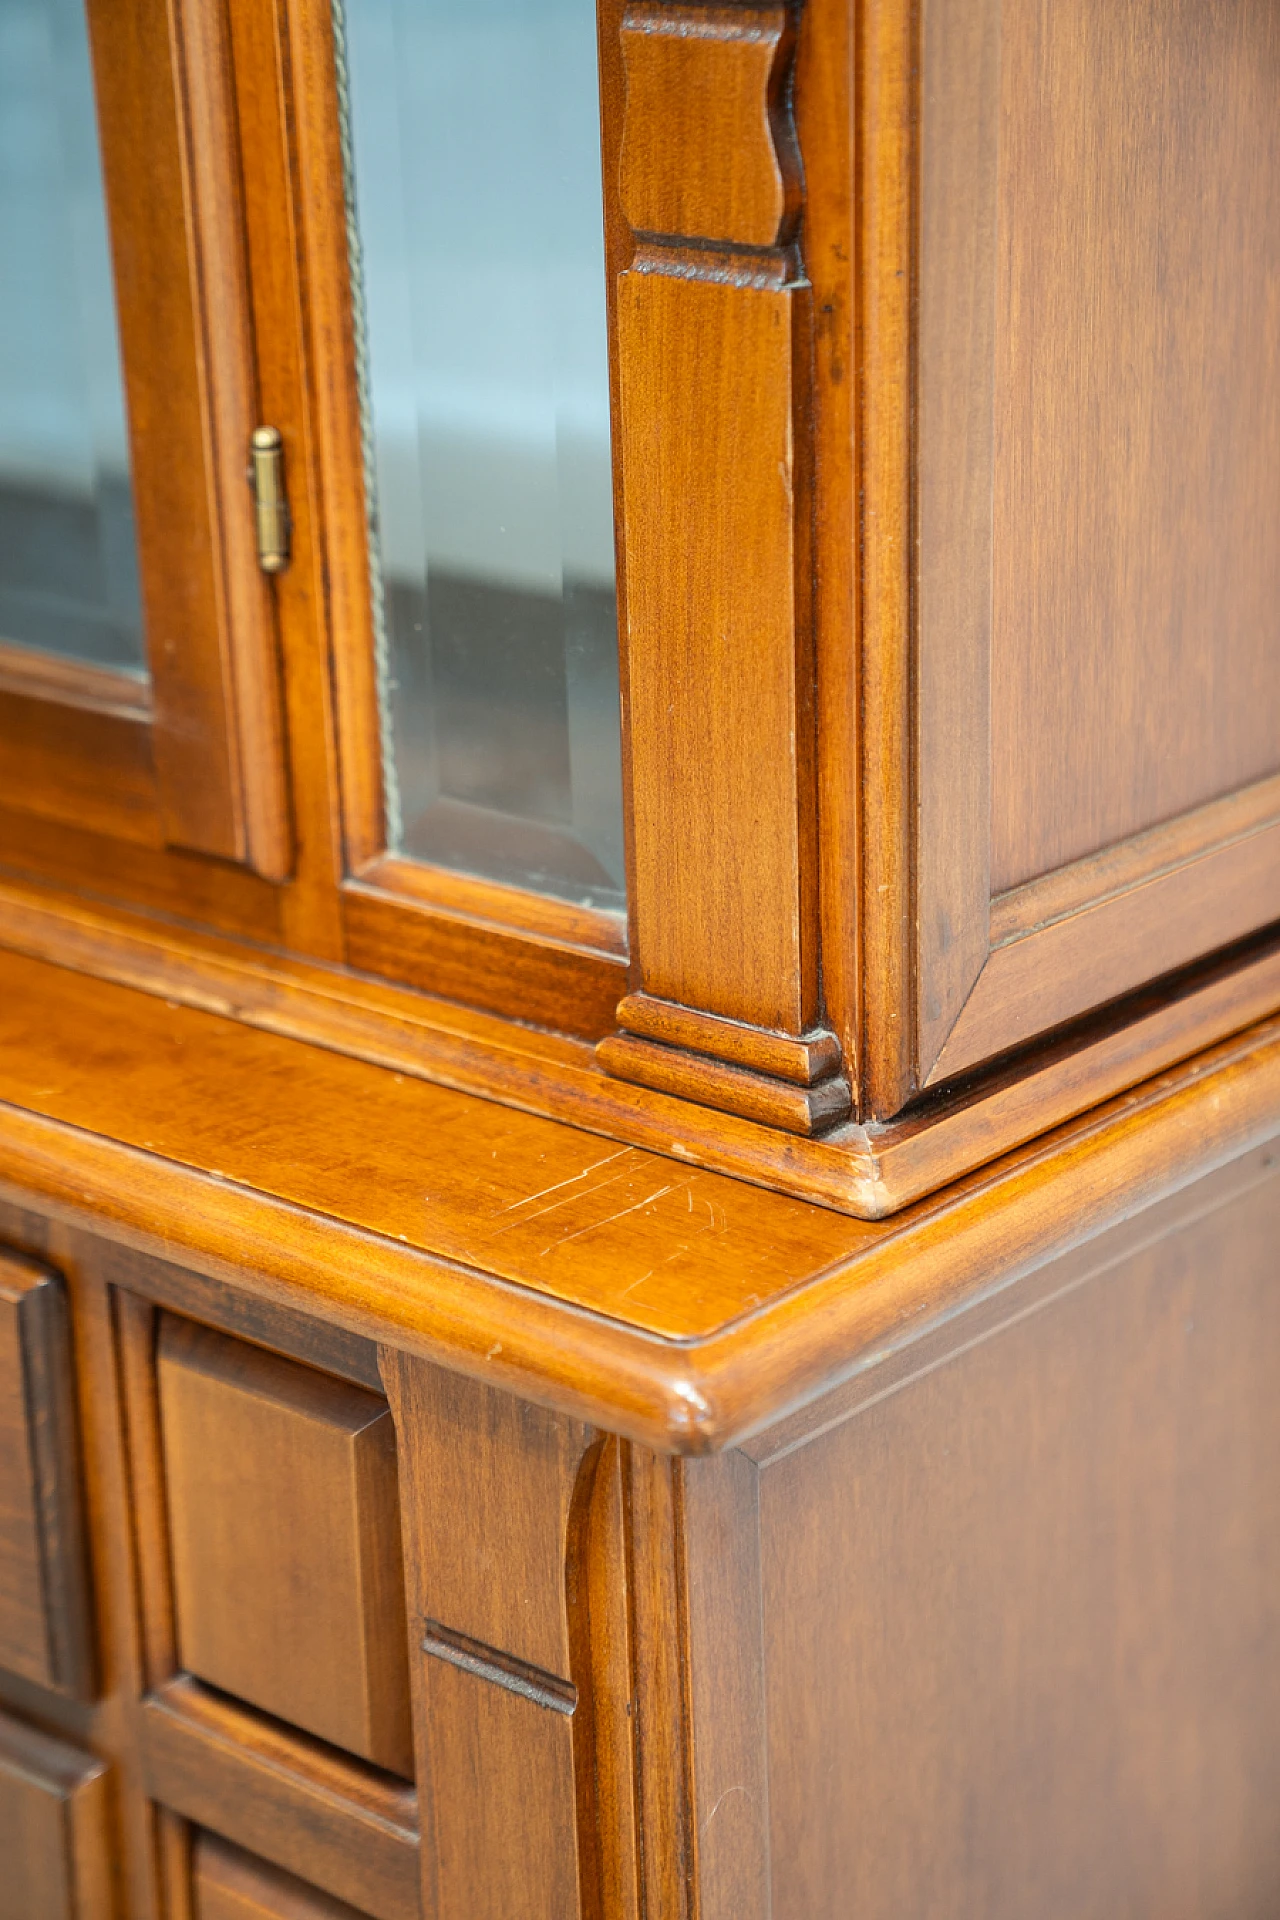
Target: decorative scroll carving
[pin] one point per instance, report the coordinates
(708, 151)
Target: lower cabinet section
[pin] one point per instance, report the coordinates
(995, 1629)
(54, 1859)
(991, 1629)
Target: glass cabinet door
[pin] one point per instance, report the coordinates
(473, 138)
(68, 551)
(137, 636)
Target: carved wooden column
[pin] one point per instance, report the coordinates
(714, 345)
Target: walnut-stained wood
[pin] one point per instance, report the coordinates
(707, 430)
(873, 525)
(53, 1829)
(729, 1768)
(717, 73)
(1096, 571)
(45, 1622)
(664, 1798)
(282, 1512)
(1019, 1595)
(868, 1170)
(1136, 570)
(232, 1885)
(77, 764)
(652, 1298)
(713, 1083)
(343, 1827)
(714, 350)
(165, 126)
(487, 1483)
(481, 943)
(250, 671)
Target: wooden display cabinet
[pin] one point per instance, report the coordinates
(636, 1280)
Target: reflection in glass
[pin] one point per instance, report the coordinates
(476, 158)
(68, 565)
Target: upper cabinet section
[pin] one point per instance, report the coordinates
(950, 463)
(782, 568)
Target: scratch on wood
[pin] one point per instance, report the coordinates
(607, 1220)
(558, 1185)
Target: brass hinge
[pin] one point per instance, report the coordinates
(266, 477)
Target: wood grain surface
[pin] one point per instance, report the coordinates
(660, 1301)
(287, 1581)
(46, 1631)
(292, 1801)
(489, 1484)
(1137, 418)
(715, 73)
(231, 1885)
(53, 1829)
(1019, 1606)
(1096, 268)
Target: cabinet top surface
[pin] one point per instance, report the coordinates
(680, 1306)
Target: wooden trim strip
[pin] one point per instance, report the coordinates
(494, 906)
(500, 1669)
(1100, 877)
(953, 531)
(245, 606)
(299, 1804)
(803, 1059)
(73, 683)
(885, 121)
(80, 765)
(695, 1077)
(1085, 959)
(522, 975)
(867, 1171)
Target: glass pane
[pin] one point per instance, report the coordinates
(68, 564)
(475, 145)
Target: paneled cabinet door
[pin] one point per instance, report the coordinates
(1097, 418)
(45, 1613)
(139, 704)
(53, 1829)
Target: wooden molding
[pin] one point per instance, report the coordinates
(496, 1698)
(621, 1287)
(867, 1170)
(805, 1059)
(167, 115)
(714, 349)
(55, 1819)
(760, 1097)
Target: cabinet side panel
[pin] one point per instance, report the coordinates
(1028, 1604)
